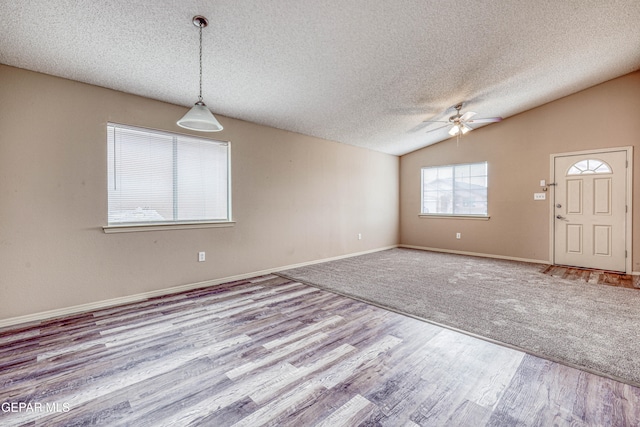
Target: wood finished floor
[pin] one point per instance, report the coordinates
(269, 351)
(592, 276)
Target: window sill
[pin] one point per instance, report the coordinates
(477, 217)
(130, 228)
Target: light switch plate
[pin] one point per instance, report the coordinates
(539, 196)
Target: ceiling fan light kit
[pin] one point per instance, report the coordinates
(459, 128)
(199, 117)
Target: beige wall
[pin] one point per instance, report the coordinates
(518, 152)
(295, 199)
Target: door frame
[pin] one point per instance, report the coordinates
(629, 202)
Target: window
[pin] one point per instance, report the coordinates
(455, 190)
(160, 177)
(589, 166)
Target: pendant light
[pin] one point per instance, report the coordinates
(199, 117)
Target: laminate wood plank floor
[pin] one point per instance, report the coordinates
(593, 276)
(269, 351)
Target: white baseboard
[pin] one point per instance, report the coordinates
(451, 251)
(36, 317)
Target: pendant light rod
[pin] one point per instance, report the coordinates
(200, 22)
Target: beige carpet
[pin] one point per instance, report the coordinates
(589, 326)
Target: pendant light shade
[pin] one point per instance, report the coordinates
(199, 117)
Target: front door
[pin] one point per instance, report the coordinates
(590, 210)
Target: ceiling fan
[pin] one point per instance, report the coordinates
(460, 123)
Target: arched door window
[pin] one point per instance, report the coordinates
(589, 166)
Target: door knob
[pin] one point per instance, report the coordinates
(561, 217)
(558, 205)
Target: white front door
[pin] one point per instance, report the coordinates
(590, 210)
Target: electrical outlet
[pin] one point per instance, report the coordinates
(458, 235)
(201, 257)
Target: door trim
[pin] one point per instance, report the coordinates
(629, 202)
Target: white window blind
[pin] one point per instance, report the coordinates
(455, 190)
(161, 177)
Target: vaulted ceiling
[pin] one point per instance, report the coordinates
(366, 73)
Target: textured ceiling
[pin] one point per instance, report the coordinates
(365, 73)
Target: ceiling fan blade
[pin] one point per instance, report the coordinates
(435, 121)
(433, 130)
(486, 120)
(466, 116)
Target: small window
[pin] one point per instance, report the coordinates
(160, 177)
(589, 166)
(455, 190)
